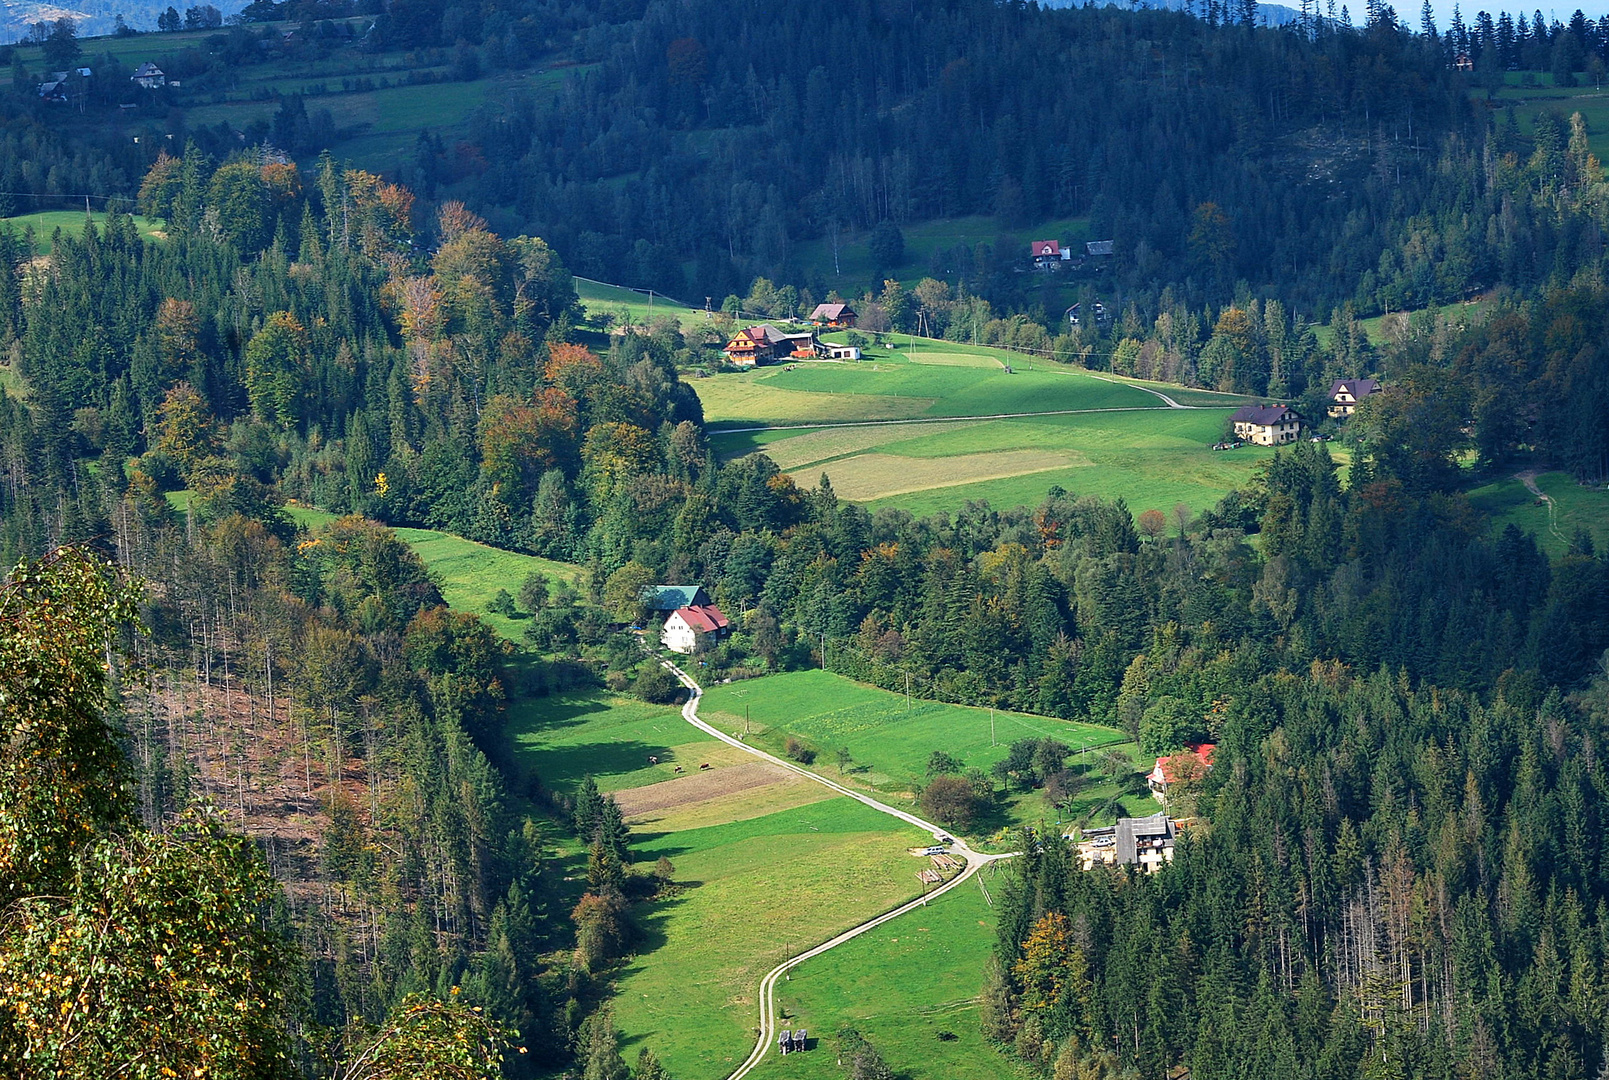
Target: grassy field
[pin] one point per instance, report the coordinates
(1154, 458)
(1574, 506)
(46, 222)
(1528, 101)
(903, 986)
(756, 880)
(627, 306)
(891, 744)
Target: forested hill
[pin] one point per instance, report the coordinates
(710, 137)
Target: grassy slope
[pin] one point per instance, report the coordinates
(1153, 457)
(629, 306)
(754, 886)
(46, 222)
(1508, 501)
(901, 985)
(891, 745)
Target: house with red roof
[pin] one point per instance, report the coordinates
(757, 344)
(1187, 766)
(686, 623)
(1048, 254)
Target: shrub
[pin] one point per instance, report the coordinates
(657, 686)
(799, 752)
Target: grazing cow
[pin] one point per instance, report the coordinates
(678, 768)
(705, 765)
(652, 760)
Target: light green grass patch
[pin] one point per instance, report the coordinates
(628, 306)
(46, 222)
(470, 574)
(742, 398)
(889, 740)
(901, 986)
(869, 477)
(757, 890)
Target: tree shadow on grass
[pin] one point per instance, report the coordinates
(553, 713)
(562, 767)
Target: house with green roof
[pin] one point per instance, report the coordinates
(674, 597)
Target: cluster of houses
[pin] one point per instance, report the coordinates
(1146, 842)
(1050, 255)
(64, 84)
(764, 343)
(1276, 424)
(688, 612)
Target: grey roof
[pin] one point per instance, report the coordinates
(1130, 832)
(1358, 388)
(146, 71)
(1262, 414)
(672, 597)
(1098, 247)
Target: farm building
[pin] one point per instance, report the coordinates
(836, 316)
(681, 630)
(60, 84)
(666, 598)
(1346, 393)
(1098, 247)
(149, 76)
(837, 352)
(1266, 425)
(758, 344)
(1189, 765)
(1144, 842)
(1048, 254)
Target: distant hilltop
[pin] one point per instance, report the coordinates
(96, 18)
(1267, 14)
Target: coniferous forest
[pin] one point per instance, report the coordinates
(1400, 867)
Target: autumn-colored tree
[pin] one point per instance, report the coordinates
(574, 368)
(278, 369)
(613, 453)
(951, 799)
(623, 593)
(160, 187)
(177, 327)
(424, 1036)
(185, 426)
(1045, 968)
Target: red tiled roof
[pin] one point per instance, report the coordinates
(1168, 768)
(1047, 247)
(705, 618)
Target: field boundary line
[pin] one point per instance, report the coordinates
(944, 419)
(975, 861)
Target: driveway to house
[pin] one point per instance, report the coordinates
(975, 861)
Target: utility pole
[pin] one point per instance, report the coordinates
(907, 691)
(991, 726)
(824, 650)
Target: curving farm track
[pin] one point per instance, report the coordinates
(975, 860)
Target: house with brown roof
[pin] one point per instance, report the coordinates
(1266, 425)
(834, 316)
(1187, 766)
(755, 345)
(1346, 393)
(682, 628)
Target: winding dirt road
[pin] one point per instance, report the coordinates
(975, 861)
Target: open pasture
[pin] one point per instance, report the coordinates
(905, 986)
(44, 224)
(1153, 458)
(1574, 506)
(763, 867)
(891, 741)
(628, 306)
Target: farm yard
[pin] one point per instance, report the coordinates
(1127, 445)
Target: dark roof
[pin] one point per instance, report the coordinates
(1098, 247)
(145, 71)
(671, 597)
(1132, 831)
(1262, 414)
(1358, 388)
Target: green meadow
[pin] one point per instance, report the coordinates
(1574, 506)
(45, 223)
(891, 741)
(752, 885)
(628, 306)
(910, 986)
